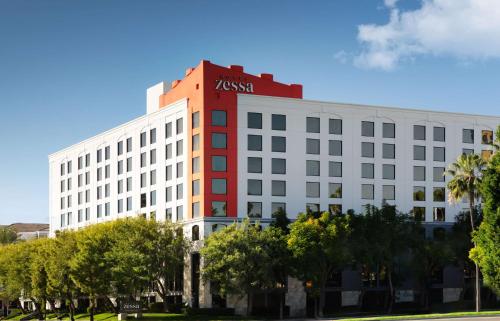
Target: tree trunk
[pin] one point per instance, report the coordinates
(92, 306)
(477, 285)
(321, 306)
(391, 291)
(71, 310)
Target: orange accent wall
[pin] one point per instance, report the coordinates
(199, 87)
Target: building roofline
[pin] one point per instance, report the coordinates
(354, 105)
(109, 131)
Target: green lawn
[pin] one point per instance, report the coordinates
(150, 317)
(426, 316)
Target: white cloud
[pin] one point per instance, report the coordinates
(341, 56)
(465, 29)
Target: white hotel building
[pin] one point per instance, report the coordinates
(221, 145)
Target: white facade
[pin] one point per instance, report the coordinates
(78, 193)
(352, 116)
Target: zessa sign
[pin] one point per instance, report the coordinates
(234, 85)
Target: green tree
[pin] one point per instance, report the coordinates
(7, 235)
(465, 181)
(241, 259)
(429, 256)
(61, 249)
(486, 254)
(40, 292)
(166, 254)
(319, 246)
(88, 267)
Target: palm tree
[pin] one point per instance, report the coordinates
(466, 174)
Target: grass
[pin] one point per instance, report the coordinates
(426, 316)
(149, 317)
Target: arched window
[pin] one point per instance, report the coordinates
(195, 233)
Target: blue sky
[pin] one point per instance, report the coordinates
(71, 69)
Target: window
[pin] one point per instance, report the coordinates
(389, 192)
(486, 154)
(143, 180)
(143, 139)
(278, 166)
(69, 167)
(312, 207)
(335, 147)
(335, 209)
(438, 214)
(99, 211)
(335, 126)
(255, 142)
(195, 187)
(63, 186)
(419, 173)
(87, 196)
(312, 189)
(87, 178)
(312, 146)
(418, 132)
(107, 210)
(367, 150)
(254, 187)
(418, 152)
(419, 193)
(335, 190)
(278, 188)
(107, 153)
(277, 206)
(195, 165)
(467, 151)
(80, 216)
(168, 130)
(180, 213)
(439, 154)
(468, 136)
(168, 194)
(486, 137)
(312, 168)
(254, 209)
(278, 122)
(367, 192)
(312, 125)
(99, 155)
(388, 130)
(218, 208)
(196, 142)
(219, 163)
(129, 164)
(367, 128)
(195, 118)
(439, 134)
(179, 169)
(219, 140)
(439, 194)
(129, 184)
(143, 200)
(168, 151)
(80, 162)
(367, 170)
(196, 213)
(168, 173)
(278, 144)
(179, 191)
(129, 203)
(80, 180)
(335, 169)
(120, 148)
(254, 120)
(107, 190)
(152, 156)
(438, 174)
(168, 214)
(87, 160)
(388, 171)
(218, 186)
(419, 213)
(179, 125)
(254, 165)
(99, 192)
(120, 186)
(388, 151)
(120, 167)
(63, 201)
(219, 118)
(129, 144)
(143, 159)
(152, 177)
(179, 147)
